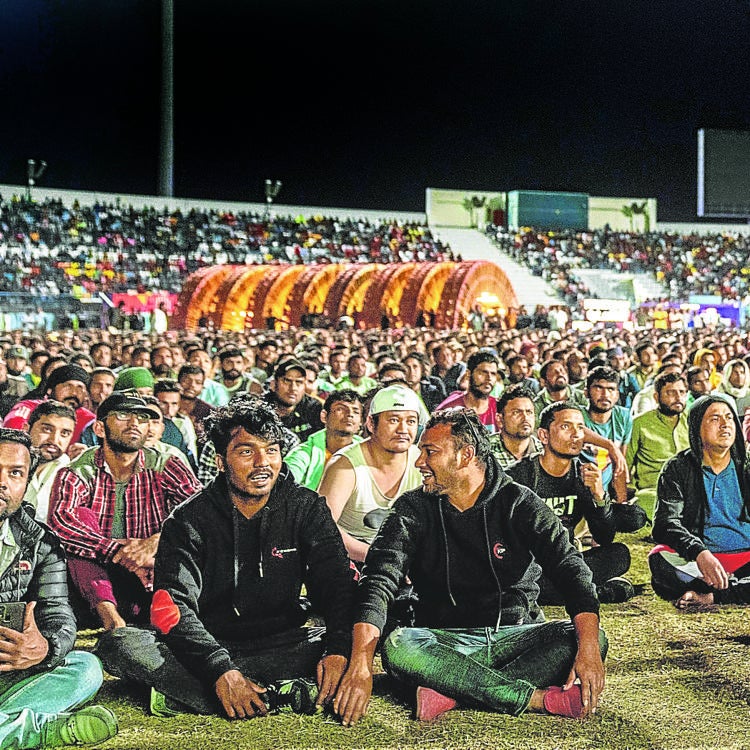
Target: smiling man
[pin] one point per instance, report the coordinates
(230, 569)
(471, 541)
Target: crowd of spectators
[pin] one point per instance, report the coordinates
(706, 264)
(49, 248)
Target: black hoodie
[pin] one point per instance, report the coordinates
(235, 580)
(477, 568)
(681, 500)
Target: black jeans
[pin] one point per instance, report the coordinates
(135, 654)
(605, 562)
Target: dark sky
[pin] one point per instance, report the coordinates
(365, 104)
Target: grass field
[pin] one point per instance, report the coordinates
(674, 680)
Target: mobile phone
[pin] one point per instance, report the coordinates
(12, 615)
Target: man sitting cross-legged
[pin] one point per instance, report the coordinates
(230, 568)
(472, 542)
(574, 491)
(702, 515)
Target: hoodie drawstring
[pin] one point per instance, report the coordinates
(447, 554)
(492, 568)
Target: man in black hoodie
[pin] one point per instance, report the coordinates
(702, 515)
(230, 567)
(472, 543)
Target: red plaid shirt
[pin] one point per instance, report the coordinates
(158, 485)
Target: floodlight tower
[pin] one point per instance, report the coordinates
(272, 190)
(34, 171)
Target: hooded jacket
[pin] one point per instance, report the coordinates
(477, 568)
(233, 588)
(681, 499)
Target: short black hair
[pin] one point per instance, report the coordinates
(190, 370)
(517, 390)
(602, 372)
(50, 406)
(466, 429)
(348, 395)
(229, 351)
(167, 385)
(547, 415)
(21, 437)
(479, 358)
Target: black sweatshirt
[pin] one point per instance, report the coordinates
(478, 568)
(233, 586)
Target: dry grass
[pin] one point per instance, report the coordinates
(675, 680)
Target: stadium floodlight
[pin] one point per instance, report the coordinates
(272, 190)
(33, 172)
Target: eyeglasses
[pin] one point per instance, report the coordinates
(125, 416)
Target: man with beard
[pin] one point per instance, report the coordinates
(553, 377)
(233, 376)
(657, 436)
(472, 542)
(101, 353)
(519, 371)
(43, 678)
(68, 384)
(298, 412)
(231, 565)
(191, 379)
(516, 417)
(51, 427)
(162, 363)
(574, 492)
(342, 417)
(613, 422)
(482, 369)
(17, 360)
(108, 507)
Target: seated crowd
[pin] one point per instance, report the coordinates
(49, 248)
(248, 519)
(702, 264)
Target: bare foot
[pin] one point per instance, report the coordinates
(691, 599)
(110, 617)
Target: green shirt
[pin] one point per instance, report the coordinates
(655, 439)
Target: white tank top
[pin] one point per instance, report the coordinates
(367, 496)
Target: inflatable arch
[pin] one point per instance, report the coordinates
(236, 298)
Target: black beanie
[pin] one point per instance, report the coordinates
(65, 373)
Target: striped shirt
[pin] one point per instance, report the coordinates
(158, 485)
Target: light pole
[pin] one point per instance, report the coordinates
(272, 190)
(33, 173)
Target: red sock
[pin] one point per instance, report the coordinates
(164, 612)
(564, 702)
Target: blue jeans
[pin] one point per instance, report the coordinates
(27, 702)
(136, 654)
(485, 668)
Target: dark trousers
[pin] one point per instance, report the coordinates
(135, 654)
(605, 562)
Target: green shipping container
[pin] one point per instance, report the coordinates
(547, 210)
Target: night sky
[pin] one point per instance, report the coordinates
(364, 105)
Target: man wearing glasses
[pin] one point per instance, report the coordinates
(108, 507)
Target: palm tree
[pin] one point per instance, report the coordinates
(627, 211)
